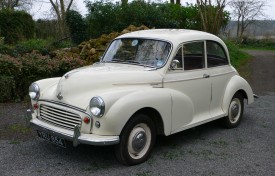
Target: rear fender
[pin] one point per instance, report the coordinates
(236, 84)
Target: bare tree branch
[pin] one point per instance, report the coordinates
(246, 11)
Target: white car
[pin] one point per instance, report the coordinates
(147, 83)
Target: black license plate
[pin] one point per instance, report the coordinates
(51, 138)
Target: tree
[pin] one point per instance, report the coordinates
(124, 2)
(60, 9)
(11, 4)
(173, 2)
(212, 15)
(246, 11)
(77, 26)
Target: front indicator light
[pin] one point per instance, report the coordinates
(86, 120)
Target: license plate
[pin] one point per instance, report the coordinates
(51, 138)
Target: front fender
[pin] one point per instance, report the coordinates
(45, 85)
(123, 108)
(235, 84)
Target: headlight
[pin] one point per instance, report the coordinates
(34, 91)
(97, 106)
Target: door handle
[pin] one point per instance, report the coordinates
(206, 76)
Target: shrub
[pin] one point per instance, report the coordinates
(7, 85)
(25, 69)
(28, 46)
(16, 26)
(77, 26)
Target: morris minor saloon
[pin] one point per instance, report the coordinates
(147, 83)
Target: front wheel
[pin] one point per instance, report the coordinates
(235, 112)
(136, 140)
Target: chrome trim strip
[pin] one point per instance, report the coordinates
(222, 73)
(76, 137)
(178, 80)
(137, 83)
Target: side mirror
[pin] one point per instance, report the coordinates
(174, 64)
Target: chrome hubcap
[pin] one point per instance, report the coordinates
(139, 141)
(234, 110)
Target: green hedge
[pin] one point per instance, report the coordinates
(7, 91)
(18, 73)
(16, 26)
(105, 17)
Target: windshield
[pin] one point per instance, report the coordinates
(145, 52)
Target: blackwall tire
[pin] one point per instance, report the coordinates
(235, 112)
(136, 140)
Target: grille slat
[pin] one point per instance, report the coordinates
(59, 114)
(60, 111)
(57, 120)
(59, 117)
(56, 124)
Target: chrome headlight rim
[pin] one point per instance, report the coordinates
(34, 91)
(97, 106)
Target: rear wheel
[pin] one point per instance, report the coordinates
(235, 112)
(136, 140)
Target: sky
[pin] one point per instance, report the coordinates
(42, 10)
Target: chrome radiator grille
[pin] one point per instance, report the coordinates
(59, 117)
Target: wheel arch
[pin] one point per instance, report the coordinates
(155, 115)
(237, 85)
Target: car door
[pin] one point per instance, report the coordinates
(191, 86)
(220, 73)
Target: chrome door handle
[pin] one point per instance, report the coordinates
(206, 76)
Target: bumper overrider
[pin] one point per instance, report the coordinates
(71, 135)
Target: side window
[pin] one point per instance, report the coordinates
(215, 54)
(193, 55)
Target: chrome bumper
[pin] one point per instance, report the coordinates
(75, 136)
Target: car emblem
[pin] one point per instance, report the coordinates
(59, 96)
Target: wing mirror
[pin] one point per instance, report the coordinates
(174, 64)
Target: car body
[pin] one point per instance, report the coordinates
(149, 82)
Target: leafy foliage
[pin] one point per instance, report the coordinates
(237, 56)
(77, 26)
(15, 26)
(105, 17)
(25, 69)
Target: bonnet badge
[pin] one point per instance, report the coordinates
(59, 95)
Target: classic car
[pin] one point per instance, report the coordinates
(147, 83)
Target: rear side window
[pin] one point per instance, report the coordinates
(215, 54)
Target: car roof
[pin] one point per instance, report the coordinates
(175, 36)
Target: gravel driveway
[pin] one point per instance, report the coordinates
(205, 150)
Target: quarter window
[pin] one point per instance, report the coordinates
(215, 55)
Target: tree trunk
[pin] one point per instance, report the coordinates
(172, 1)
(61, 10)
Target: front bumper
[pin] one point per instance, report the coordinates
(75, 136)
